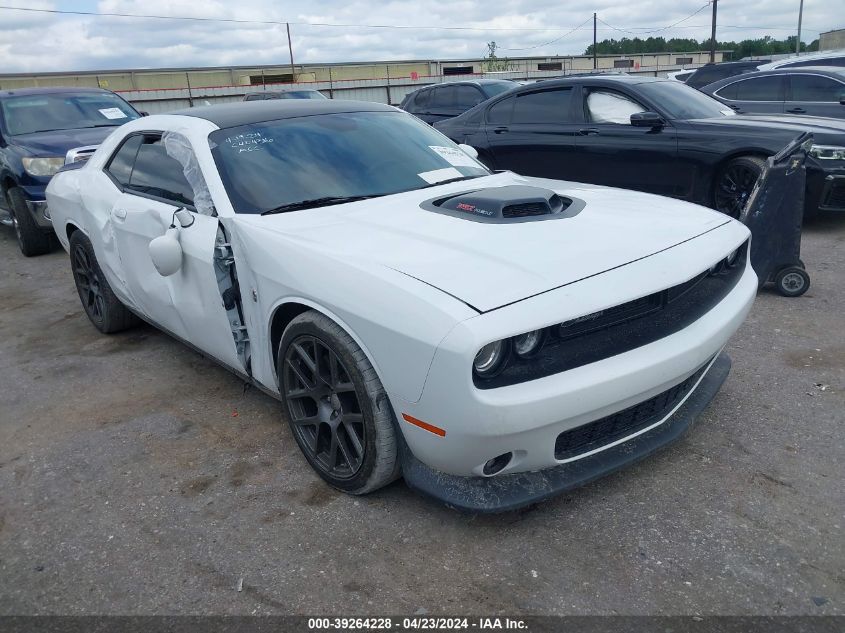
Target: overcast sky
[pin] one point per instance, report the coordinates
(50, 42)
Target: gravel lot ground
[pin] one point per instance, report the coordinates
(138, 477)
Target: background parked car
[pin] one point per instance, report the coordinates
(41, 129)
(444, 101)
(715, 72)
(649, 134)
(680, 75)
(293, 93)
(828, 58)
(812, 90)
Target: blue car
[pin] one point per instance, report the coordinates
(41, 130)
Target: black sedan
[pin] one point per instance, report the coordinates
(814, 91)
(648, 134)
(444, 101)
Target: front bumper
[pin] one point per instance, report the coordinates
(40, 213)
(513, 491)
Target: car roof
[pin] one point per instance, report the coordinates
(608, 78)
(281, 91)
(18, 92)
(803, 58)
(245, 112)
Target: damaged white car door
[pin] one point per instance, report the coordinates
(199, 302)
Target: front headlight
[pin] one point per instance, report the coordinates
(43, 166)
(828, 152)
(491, 358)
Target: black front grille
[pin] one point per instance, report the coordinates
(834, 198)
(623, 423)
(623, 327)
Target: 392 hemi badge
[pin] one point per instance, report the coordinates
(471, 208)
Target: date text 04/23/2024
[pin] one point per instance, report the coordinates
(416, 624)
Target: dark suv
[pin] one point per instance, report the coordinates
(709, 73)
(444, 101)
(42, 129)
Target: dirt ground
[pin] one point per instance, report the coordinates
(136, 477)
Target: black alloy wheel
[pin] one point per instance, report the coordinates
(325, 408)
(735, 183)
(89, 284)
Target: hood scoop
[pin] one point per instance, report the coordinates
(501, 205)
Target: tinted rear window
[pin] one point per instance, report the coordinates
(547, 106)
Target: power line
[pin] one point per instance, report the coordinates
(663, 28)
(270, 22)
(379, 26)
(557, 39)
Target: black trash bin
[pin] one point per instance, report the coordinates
(774, 213)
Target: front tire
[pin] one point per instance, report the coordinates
(32, 239)
(734, 183)
(103, 308)
(337, 408)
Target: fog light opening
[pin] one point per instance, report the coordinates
(496, 464)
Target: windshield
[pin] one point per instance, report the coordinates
(681, 102)
(493, 89)
(271, 164)
(47, 112)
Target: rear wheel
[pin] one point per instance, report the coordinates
(734, 184)
(337, 408)
(32, 240)
(103, 308)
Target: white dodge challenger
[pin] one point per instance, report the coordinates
(492, 338)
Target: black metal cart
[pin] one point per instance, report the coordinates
(774, 213)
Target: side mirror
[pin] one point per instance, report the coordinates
(469, 150)
(166, 253)
(647, 119)
(143, 113)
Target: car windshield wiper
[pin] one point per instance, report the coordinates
(316, 202)
(448, 180)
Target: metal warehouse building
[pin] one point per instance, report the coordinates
(160, 90)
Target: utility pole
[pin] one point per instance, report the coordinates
(713, 35)
(290, 48)
(595, 58)
(798, 40)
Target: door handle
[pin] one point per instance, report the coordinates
(796, 111)
(590, 131)
(500, 130)
(734, 107)
(120, 214)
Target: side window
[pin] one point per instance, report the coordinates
(547, 106)
(816, 88)
(443, 97)
(120, 165)
(606, 106)
(468, 96)
(760, 89)
(157, 174)
(500, 113)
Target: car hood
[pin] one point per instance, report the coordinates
(491, 265)
(58, 142)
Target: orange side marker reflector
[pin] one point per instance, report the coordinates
(424, 425)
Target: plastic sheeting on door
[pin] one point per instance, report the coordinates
(608, 107)
(179, 148)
